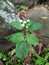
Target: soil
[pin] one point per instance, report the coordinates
(6, 45)
(1, 63)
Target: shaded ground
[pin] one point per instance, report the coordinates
(6, 45)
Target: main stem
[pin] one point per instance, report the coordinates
(25, 33)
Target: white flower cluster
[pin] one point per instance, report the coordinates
(24, 22)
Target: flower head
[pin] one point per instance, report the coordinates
(28, 20)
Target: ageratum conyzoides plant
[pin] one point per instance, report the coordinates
(24, 39)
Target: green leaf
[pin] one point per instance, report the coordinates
(31, 22)
(22, 50)
(32, 39)
(23, 7)
(18, 37)
(1, 55)
(35, 26)
(47, 56)
(17, 25)
(47, 63)
(39, 61)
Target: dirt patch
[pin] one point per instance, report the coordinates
(6, 45)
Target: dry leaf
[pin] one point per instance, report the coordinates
(40, 48)
(13, 52)
(43, 17)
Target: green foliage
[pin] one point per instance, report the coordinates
(1, 54)
(40, 60)
(24, 39)
(46, 49)
(35, 26)
(37, 59)
(47, 56)
(31, 22)
(18, 37)
(32, 39)
(47, 63)
(35, 2)
(21, 7)
(16, 24)
(22, 50)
